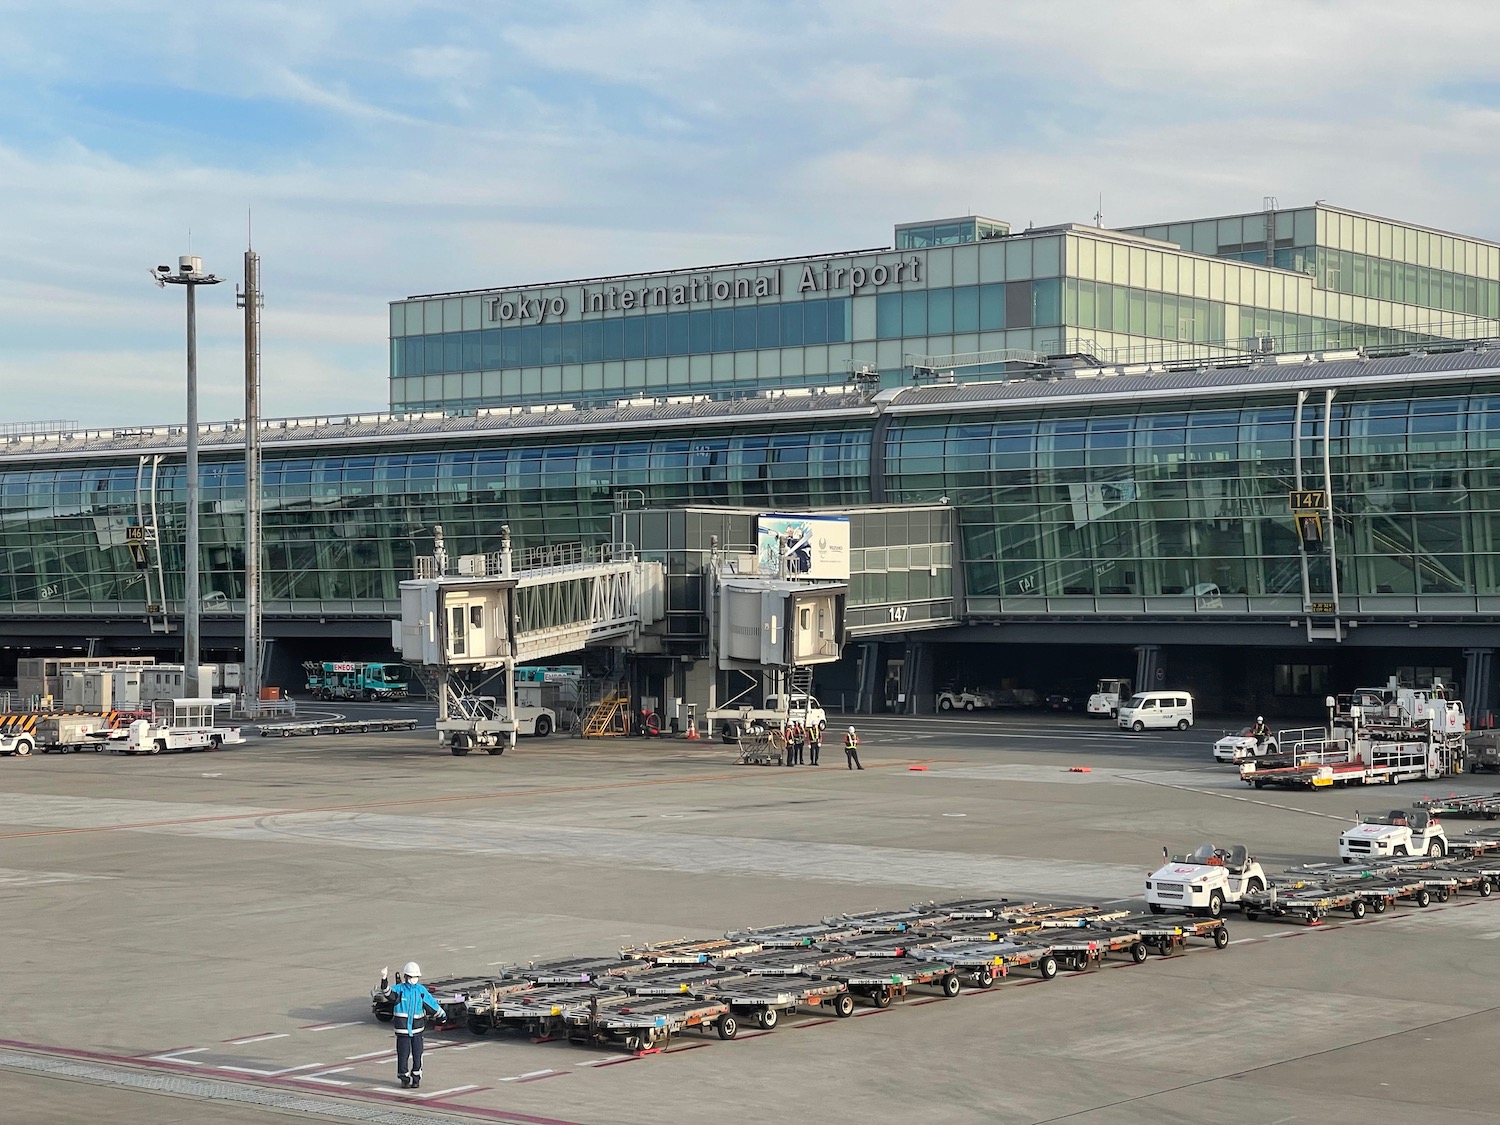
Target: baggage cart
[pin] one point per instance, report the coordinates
(688, 951)
(1086, 948)
(642, 1024)
(1171, 935)
(985, 962)
(793, 936)
(581, 970)
(765, 998)
(541, 1012)
(884, 979)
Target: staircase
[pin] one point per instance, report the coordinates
(609, 715)
(800, 680)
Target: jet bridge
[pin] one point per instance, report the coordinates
(509, 608)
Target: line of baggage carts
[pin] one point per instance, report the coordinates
(639, 1000)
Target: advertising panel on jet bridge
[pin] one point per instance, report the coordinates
(817, 546)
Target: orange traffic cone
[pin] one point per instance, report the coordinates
(692, 732)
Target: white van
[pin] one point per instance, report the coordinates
(1160, 709)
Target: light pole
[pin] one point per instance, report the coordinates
(190, 274)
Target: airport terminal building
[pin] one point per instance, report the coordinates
(1067, 452)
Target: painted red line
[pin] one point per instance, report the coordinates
(872, 1012)
(142, 1058)
(237, 1039)
(1024, 983)
(929, 1000)
(812, 1023)
(751, 1035)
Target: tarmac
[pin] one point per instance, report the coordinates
(193, 937)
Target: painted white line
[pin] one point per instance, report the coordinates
(272, 1073)
(331, 1026)
(327, 1081)
(529, 1074)
(370, 1055)
(258, 1038)
(593, 1062)
(176, 1056)
(449, 1090)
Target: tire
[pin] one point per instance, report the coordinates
(1139, 952)
(1156, 908)
(945, 704)
(727, 1027)
(478, 1026)
(543, 726)
(1137, 726)
(23, 749)
(968, 706)
(985, 978)
(1047, 966)
(881, 997)
(1486, 888)
(1357, 908)
(1399, 850)
(158, 746)
(1423, 898)
(950, 985)
(1221, 937)
(215, 743)
(767, 1018)
(843, 1005)
(495, 750)
(1250, 916)
(1255, 885)
(1183, 724)
(1380, 905)
(1216, 904)
(1435, 850)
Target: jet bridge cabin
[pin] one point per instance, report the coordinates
(775, 623)
(456, 622)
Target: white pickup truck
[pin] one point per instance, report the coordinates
(1398, 833)
(1204, 881)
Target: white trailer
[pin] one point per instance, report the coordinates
(182, 724)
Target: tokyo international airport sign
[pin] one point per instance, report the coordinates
(816, 546)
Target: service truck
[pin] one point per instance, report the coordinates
(182, 724)
(1392, 835)
(963, 700)
(1204, 881)
(1107, 697)
(357, 679)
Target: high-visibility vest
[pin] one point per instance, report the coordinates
(851, 741)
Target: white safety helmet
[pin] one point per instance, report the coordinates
(1260, 718)
(851, 730)
(411, 969)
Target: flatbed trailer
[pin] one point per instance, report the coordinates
(675, 980)
(1486, 805)
(334, 726)
(765, 998)
(689, 951)
(1086, 948)
(581, 970)
(872, 945)
(1169, 935)
(986, 962)
(883, 921)
(541, 1012)
(787, 963)
(793, 936)
(646, 1024)
(967, 909)
(884, 979)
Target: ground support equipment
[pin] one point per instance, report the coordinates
(641, 1024)
(481, 1006)
(968, 909)
(1169, 935)
(601, 971)
(334, 726)
(794, 936)
(761, 748)
(687, 951)
(453, 993)
(787, 963)
(1486, 805)
(675, 980)
(1479, 875)
(985, 962)
(1080, 951)
(765, 998)
(884, 979)
(541, 1012)
(884, 921)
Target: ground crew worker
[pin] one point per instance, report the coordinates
(1260, 730)
(851, 750)
(799, 741)
(786, 743)
(409, 1017)
(814, 743)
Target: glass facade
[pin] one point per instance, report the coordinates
(1177, 504)
(1306, 279)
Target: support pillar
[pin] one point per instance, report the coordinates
(1147, 665)
(1479, 678)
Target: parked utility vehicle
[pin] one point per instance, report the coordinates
(1107, 697)
(963, 700)
(1204, 881)
(1156, 710)
(1400, 832)
(182, 724)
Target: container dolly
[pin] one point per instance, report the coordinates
(646, 1024)
(453, 993)
(1169, 935)
(581, 970)
(984, 962)
(540, 1012)
(481, 1007)
(793, 936)
(766, 997)
(1082, 951)
(1486, 805)
(884, 979)
(688, 951)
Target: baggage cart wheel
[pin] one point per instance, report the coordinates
(1250, 916)
(843, 1005)
(1138, 952)
(1444, 895)
(634, 1043)
(950, 985)
(1357, 908)
(881, 997)
(728, 1027)
(478, 1026)
(985, 977)
(1221, 936)
(1423, 898)
(498, 748)
(1486, 888)
(767, 1018)
(1047, 966)
(1380, 905)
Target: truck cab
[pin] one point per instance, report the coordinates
(1393, 835)
(1204, 881)
(1107, 697)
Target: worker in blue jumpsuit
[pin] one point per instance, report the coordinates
(409, 1015)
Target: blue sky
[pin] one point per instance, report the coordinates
(386, 149)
